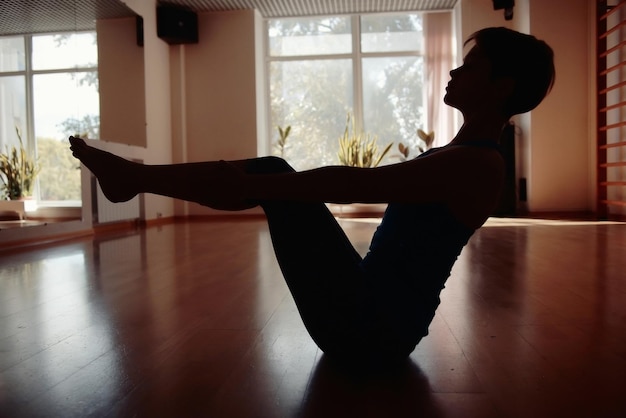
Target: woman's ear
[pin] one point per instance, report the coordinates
(505, 86)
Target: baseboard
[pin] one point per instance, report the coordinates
(29, 243)
(559, 215)
(157, 221)
(224, 217)
(117, 226)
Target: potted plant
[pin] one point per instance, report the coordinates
(425, 142)
(18, 170)
(281, 144)
(359, 149)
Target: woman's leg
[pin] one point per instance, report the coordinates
(320, 265)
(121, 179)
(339, 302)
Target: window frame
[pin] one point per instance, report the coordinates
(356, 56)
(29, 75)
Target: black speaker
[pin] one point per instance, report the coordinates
(508, 199)
(507, 5)
(139, 30)
(503, 4)
(176, 25)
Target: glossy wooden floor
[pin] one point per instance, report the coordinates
(194, 320)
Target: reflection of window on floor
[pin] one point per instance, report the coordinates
(49, 90)
(322, 68)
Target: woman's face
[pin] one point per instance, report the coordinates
(471, 86)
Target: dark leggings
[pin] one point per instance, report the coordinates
(323, 271)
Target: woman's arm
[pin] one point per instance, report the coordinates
(437, 177)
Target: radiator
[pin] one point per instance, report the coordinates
(105, 212)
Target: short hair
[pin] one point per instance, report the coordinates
(524, 58)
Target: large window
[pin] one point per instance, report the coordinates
(48, 91)
(322, 69)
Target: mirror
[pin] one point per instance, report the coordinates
(122, 84)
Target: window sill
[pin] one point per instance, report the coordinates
(59, 211)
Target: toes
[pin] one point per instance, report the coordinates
(74, 140)
(77, 145)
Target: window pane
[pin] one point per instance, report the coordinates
(310, 36)
(12, 110)
(65, 51)
(64, 104)
(12, 54)
(393, 101)
(387, 33)
(313, 97)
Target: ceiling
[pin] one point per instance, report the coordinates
(39, 16)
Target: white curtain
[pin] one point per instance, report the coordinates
(439, 60)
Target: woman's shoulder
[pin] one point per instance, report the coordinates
(471, 175)
(465, 154)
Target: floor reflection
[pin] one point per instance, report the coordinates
(195, 319)
(53, 329)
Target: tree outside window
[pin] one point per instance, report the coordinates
(323, 68)
(50, 94)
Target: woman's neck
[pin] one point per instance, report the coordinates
(481, 127)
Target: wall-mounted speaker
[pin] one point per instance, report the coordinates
(139, 30)
(507, 5)
(176, 25)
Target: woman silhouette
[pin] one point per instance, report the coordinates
(377, 307)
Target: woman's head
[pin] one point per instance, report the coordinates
(524, 59)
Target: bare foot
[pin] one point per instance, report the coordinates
(115, 174)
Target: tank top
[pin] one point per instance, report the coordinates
(410, 258)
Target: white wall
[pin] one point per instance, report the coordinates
(157, 102)
(215, 82)
(203, 101)
(555, 141)
(121, 76)
(561, 165)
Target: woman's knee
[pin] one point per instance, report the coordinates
(268, 165)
